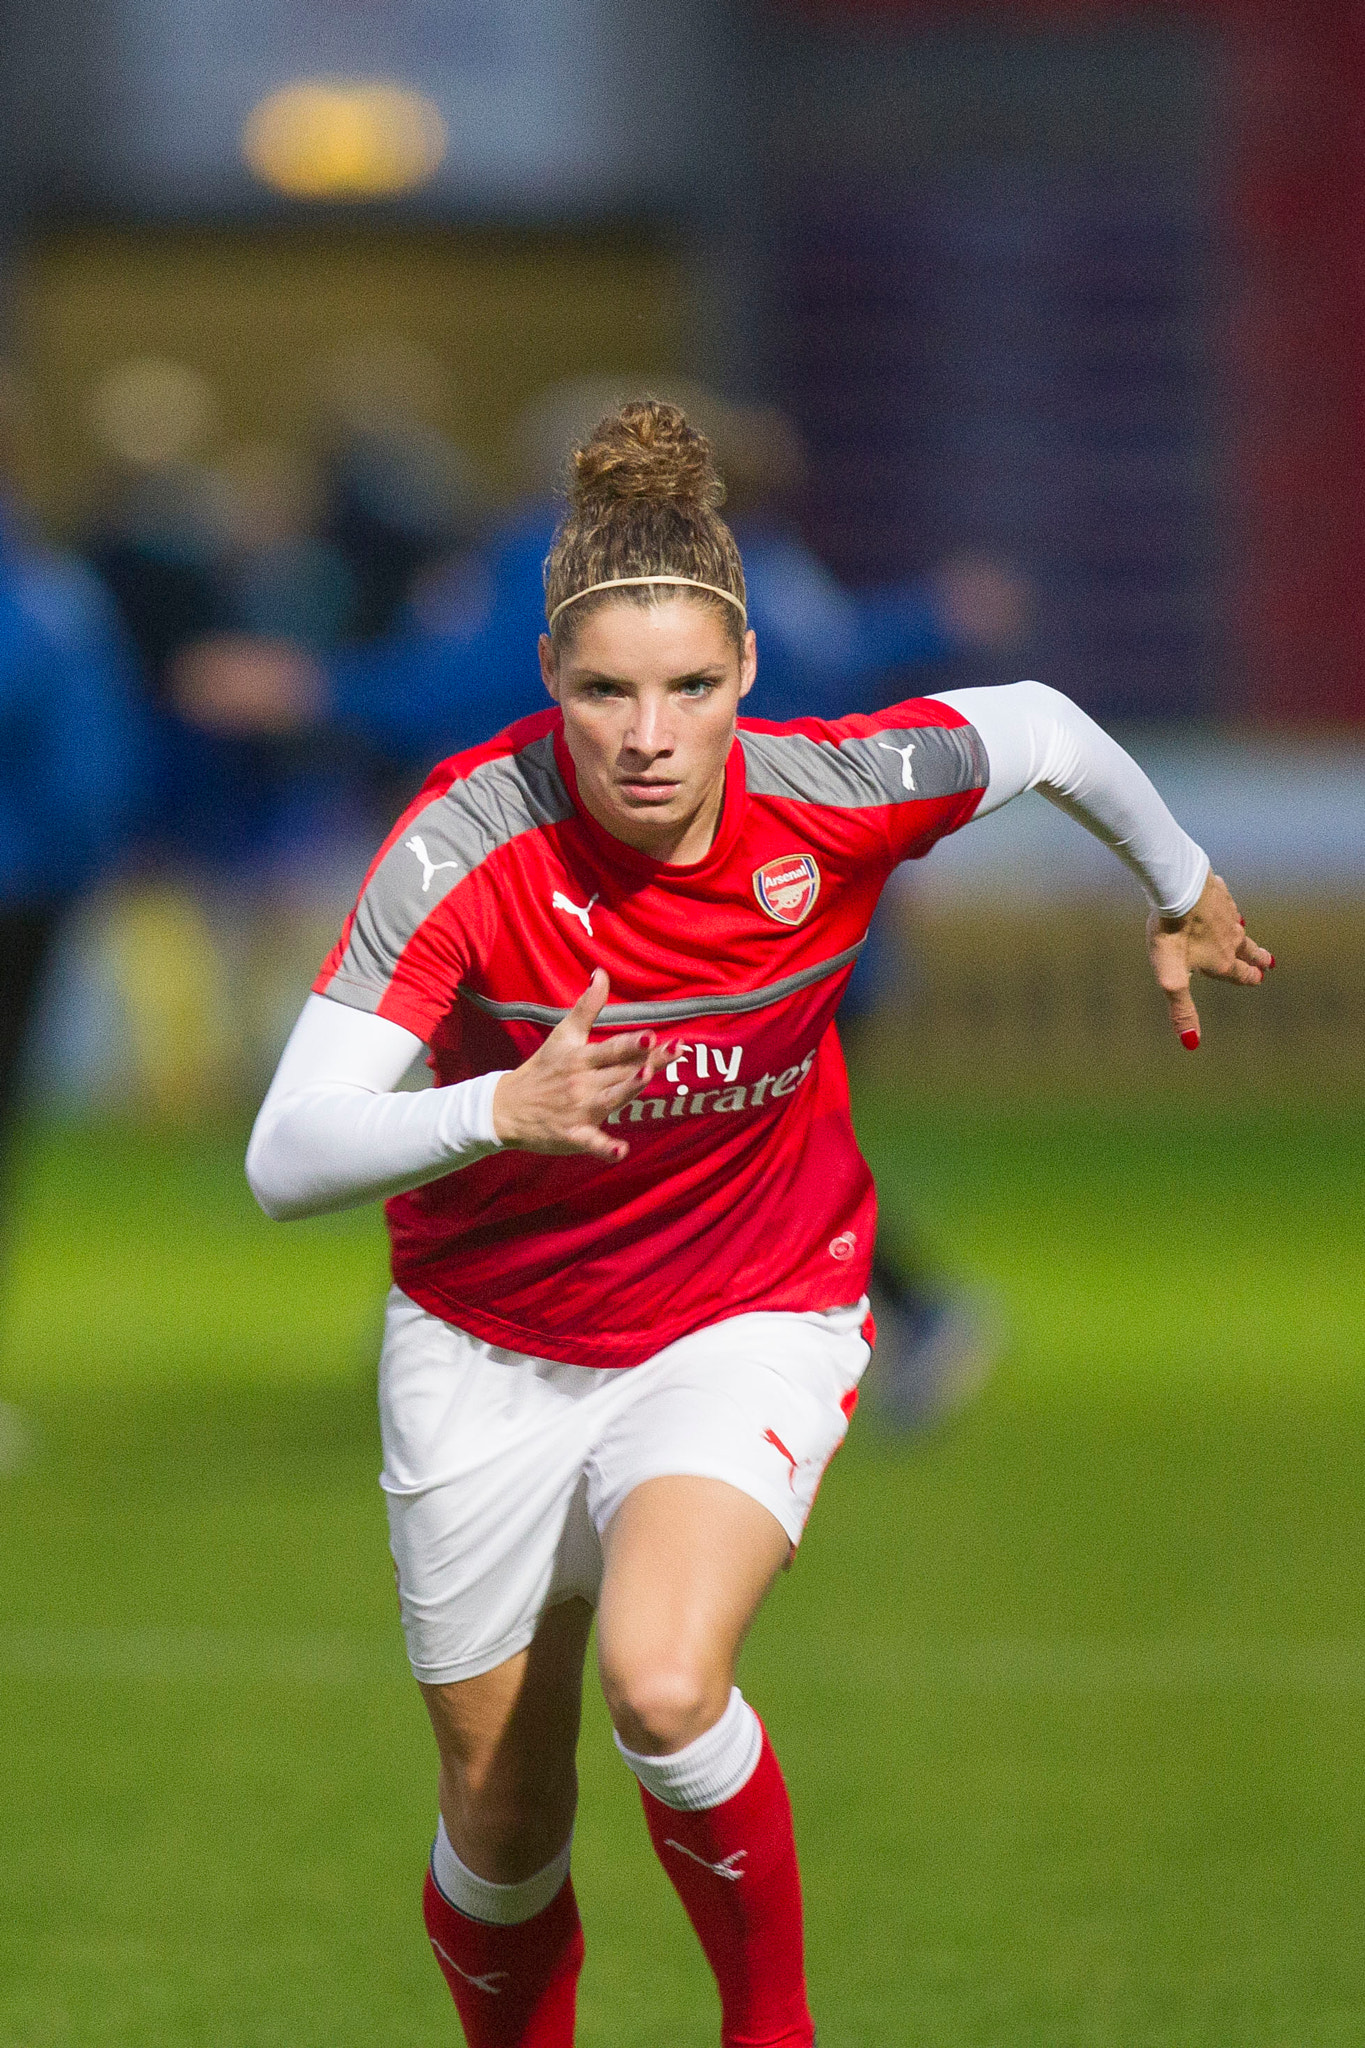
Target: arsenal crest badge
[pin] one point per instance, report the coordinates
(787, 888)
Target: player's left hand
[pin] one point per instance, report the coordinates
(1210, 939)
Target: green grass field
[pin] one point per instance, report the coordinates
(1070, 1696)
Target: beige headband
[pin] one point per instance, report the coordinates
(616, 583)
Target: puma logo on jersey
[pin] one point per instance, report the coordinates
(483, 1983)
(582, 911)
(430, 867)
(727, 1867)
(907, 779)
(770, 1436)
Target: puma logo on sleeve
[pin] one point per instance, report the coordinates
(430, 867)
(907, 779)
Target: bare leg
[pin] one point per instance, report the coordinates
(508, 1784)
(498, 1904)
(688, 1562)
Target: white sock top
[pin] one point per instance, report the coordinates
(478, 1898)
(711, 1769)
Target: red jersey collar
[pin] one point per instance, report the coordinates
(615, 851)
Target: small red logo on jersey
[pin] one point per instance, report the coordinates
(787, 888)
(844, 1245)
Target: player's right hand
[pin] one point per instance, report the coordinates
(558, 1099)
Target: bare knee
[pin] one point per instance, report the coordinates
(508, 1808)
(507, 1739)
(507, 1828)
(660, 1705)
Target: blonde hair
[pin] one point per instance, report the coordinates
(643, 520)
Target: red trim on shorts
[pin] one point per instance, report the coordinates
(847, 1403)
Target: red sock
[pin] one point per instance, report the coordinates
(514, 1987)
(734, 1868)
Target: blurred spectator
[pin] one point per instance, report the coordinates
(71, 752)
(157, 536)
(462, 663)
(251, 825)
(401, 495)
(188, 550)
(281, 577)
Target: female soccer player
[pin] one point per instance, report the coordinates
(631, 1226)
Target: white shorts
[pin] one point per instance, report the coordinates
(502, 1471)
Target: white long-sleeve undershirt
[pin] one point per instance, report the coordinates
(332, 1132)
(1035, 738)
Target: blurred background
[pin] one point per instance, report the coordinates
(1040, 319)
(1028, 337)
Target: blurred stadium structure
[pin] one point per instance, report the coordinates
(1067, 291)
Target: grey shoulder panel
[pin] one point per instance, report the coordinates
(441, 846)
(891, 767)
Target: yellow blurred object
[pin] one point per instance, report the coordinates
(338, 139)
(150, 412)
(1057, 998)
(170, 976)
(351, 324)
(208, 983)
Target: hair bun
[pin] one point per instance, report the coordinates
(645, 450)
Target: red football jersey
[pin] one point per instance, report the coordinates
(484, 913)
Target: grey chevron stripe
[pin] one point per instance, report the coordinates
(679, 1012)
(899, 765)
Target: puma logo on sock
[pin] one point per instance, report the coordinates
(484, 1983)
(727, 1867)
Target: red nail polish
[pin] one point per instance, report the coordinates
(1242, 922)
(1190, 1040)
(1272, 961)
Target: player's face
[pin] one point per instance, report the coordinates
(649, 696)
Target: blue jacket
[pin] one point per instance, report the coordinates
(71, 745)
(431, 689)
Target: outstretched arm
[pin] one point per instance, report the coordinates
(1035, 738)
(332, 1133)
